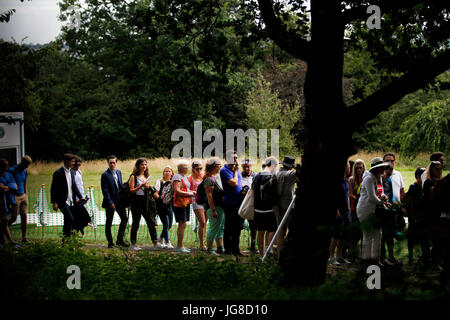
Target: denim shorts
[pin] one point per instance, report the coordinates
(182, 214)
(197, 206)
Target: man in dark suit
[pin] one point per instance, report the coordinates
(64, 191)
(110, 182)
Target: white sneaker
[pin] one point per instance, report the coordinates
(159, 245)
(160, 240)
(333, 262)
(169, 245)
(136, 248)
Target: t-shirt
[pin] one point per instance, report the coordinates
(20, 176)
(194, 186)
(397, 184)
(7, 180)
(178, 177)
(248, 180)
(217, 192)
(387, 187)
(231, 195)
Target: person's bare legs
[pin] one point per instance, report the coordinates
(200, 214)
(281, 237)
(260, 240)
(23, 224)
(180, 234)
(332, 248)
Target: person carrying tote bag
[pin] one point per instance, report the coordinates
(247, 208)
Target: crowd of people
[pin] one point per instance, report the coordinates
(369, 219)
(375, 209)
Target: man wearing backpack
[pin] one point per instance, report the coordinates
(266, 199)
(111, 181)
(232, 185)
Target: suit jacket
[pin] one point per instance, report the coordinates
(109, 188)
(59, 190)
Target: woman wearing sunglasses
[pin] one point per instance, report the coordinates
(195, 179)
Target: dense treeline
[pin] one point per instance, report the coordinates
(130, 74)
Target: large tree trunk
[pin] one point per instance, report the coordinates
(328, 144)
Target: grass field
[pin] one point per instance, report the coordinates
(41, 172)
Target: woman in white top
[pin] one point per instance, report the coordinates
(371, 196)
(165, 210)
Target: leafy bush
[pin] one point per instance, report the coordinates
(38, 271)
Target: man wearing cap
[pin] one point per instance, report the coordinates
(286, 178)
(247, 179)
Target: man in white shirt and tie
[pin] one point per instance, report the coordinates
(64, 191)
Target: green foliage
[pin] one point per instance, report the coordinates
(181, 61)
(427, 130)
(264, 111)
(18, 89)
(38, 271)
(388, 131)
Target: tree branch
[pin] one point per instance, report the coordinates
(360, 12)
(422, 74)
(289, 41)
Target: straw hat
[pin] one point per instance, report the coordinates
(377, 163)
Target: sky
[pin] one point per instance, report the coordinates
(37, 20)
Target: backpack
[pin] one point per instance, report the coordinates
(166, 194)
(266, 191)
(124, 194)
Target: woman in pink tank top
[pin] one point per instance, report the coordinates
(195, 179)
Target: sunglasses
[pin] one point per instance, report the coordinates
(198, 169)
(390, 160)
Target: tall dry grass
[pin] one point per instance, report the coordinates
(158, 164)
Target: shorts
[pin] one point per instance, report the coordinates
(21, 207)
(196, 206)
(265, 221)
(182, 214)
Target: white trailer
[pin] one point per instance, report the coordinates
(12, 138)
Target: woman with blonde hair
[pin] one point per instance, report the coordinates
(195, 179)
(181, 202)
(164, 205)
(354, 187)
